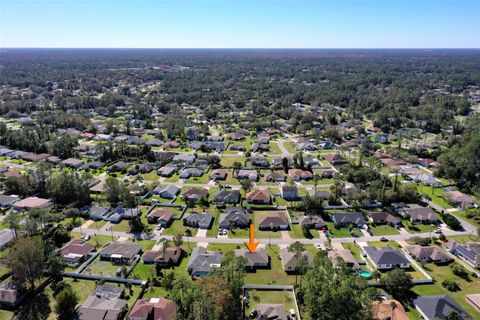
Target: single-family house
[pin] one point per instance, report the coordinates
(168, 192)
(428, 254)
(257, 259)
(343, 256)
(198, 220)
(275, 177)
(440, 307)
(460, 199)
(387, 258)
(384, 218)
(274, 220)
(384, 310)
(202, 261)
(312, 222)
(99, 213)
(226, 196)
(103, 305)
(347, 218)
(249, 174)
(218, 174)
(153, 309)
(163, 216)
(73, 163)
(469, 251)
(234, 217)
(191, 172)
(299, 174)
(170, 257)
(120, 252)
(166, 171)
(259, 196)
(290, 193)
(7, 201)
(75, 251)
(194, 194)
(31, 203)
(334, 158)
(265, 311)
(185, 159)
(289, 260)
(419, 214)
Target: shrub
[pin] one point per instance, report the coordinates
(422, 241)
(450, 285)
(459, 270)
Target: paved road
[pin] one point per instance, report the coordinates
(285, 152)
(315, 241)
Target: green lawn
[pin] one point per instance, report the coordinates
(177, 227)
(354, 249)
(384, 230)
(271, 297)
(296, 231)
(102, 268)
(341, 232)
(274, 275)
(418, 227)
(436, 194)
(274, 148)
(239, 233)
(380, 244)
(122, 226)
(213, 231)
(227, 162)
(152, 176)
(173, 178)
(200, 180)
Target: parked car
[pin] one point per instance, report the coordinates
(383, 239)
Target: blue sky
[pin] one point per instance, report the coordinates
(240, 24)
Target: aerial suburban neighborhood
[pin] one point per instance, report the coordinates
(235, 184)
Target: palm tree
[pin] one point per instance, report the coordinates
(301, 265)
(316, 178)
(297, 249)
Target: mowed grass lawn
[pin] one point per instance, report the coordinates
(102, 268)
(275, 275)
(270, 297)
(384, 230)
(440, 273)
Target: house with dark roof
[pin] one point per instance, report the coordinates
(234, 217)
(120, 252)
(387, 258)
(347, 218)
(202, 261)
(429, 254)
(469, 251)
(170, 257)
(194, 194)
(168, 192)
(289, 259)
(383, 218)
(218, 174)
(166, 171)
(270, 312)
(289, 193)
(312, 222)
(7, 201)
(258, 259)
(226, 196)
(191, 172)
(275, 177)
(274, 220)
(153, 309)
(99, 213)
(343, 256)
(198, 220)
(439, 307)
(104, 306)
(334, 158)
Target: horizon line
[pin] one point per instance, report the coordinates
(258, 48)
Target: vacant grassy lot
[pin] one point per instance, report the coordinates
(384, 230)
(102, 268)
(342, 232)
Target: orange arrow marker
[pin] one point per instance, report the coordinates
(252, 245)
